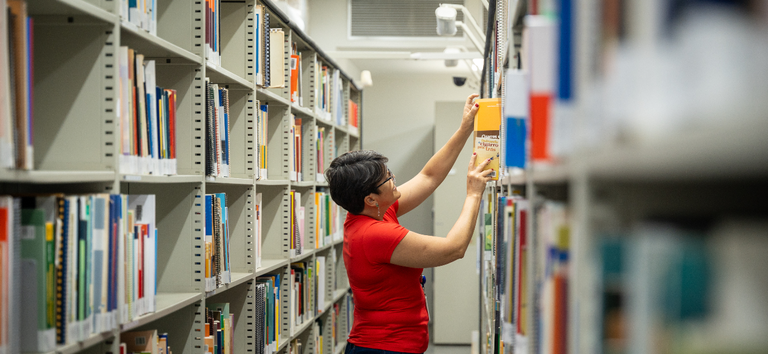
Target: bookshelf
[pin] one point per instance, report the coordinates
(77, 151)
(643, 181)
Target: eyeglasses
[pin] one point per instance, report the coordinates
(391, 176)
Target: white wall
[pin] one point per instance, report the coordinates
(398, 122)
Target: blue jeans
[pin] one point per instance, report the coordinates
(353, 349)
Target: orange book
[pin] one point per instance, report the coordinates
(487, 142)
(540, 117)
(295, 78)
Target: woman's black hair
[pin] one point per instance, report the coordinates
(354, 175)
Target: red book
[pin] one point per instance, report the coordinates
(540, 113)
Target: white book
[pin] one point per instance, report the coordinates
(144, 208)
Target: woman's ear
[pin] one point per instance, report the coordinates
(369, 200)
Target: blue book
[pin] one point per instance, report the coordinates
(516, 113)
(225, 230)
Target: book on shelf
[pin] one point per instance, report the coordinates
(301, 286)
(258, 211)
(262, 143)
(321, 271)
(353, 124)
(297, 224)
(268, 299)
(213, 31)
(217, 239)
(516, 112)
(70, 266)
(276, 58)
(147, 121)
(295, 68)
(337, 95)
(217, 130)
(144, 342)
(259, 57)
(539, 37)
(219, 329)
(487, 142)
(141, 13)
(16, 94)
(295, 148)
(320, 151)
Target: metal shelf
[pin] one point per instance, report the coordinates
(54, 177)
(166, 303)
(82, 345)
(154, 47)
(70, 7)
(516, 179)
(325, 123)
(161, 179)
(303, 184)
(303, 256)
(296, 331)
(228, 180)
(269, 265)
(270, 97)
(220, 75)
(732, 151)
(273, 182)
(237, 279)
(558, 173)
(298, 110)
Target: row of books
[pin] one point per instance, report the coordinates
(217, 242)
(267, 318)
(217, 137)
(16, 83)
(320, 141)
(270, 51)
(328, 224)
(213, 31)
(296, 75)
(295, 149)
(329, 93)
(262, 134)
(73, 266)
(506, 268)
(303, 287)
(683, 285)
(297, 224)
(353, 117)
(147, 118)
(141, 13)
(144, 342)
(552, 263)
(219, 329)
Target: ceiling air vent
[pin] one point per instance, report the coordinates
(396, 18)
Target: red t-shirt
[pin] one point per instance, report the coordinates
(390, 308)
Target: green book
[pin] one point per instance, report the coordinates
(488, 231)
(34, 247)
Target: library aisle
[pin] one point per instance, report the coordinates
(161, 187)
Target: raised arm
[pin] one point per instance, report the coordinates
(420, 251)
(420, 187)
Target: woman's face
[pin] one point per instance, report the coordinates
(388, 189)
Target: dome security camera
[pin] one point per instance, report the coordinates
(459, 81)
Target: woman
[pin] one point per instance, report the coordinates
(384, 260)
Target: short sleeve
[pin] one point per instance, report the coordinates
(380, 241)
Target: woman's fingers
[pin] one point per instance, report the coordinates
(482, 165)
(470, 98)
(472, 160)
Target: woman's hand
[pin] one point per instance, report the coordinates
(470, 110)
(476, 177)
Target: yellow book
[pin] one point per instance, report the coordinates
(487, 142)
